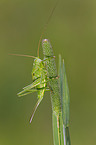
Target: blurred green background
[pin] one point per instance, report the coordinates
(72, 32)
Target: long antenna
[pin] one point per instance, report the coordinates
(23, 55)
(45, 27)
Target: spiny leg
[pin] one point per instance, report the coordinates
(25, 92)
(34, 84)
(40, 97)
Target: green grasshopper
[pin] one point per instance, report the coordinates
(59, 96)
(44, 72)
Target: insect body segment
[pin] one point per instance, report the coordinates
(39, 72)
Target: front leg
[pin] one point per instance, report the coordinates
(25, 92)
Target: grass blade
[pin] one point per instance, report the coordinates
(55, 129)
(65, 100)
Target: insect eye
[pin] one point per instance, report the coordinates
(33, 74)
